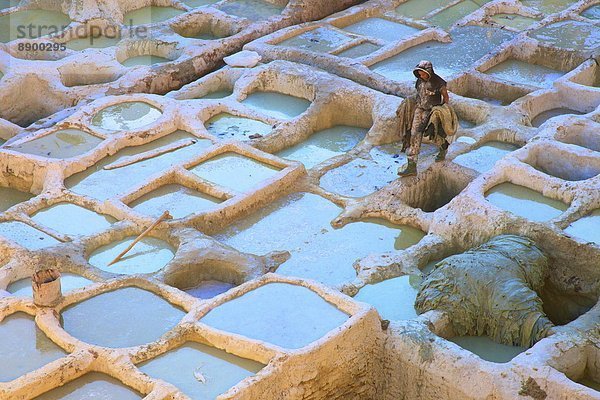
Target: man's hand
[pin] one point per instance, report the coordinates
(444, 93)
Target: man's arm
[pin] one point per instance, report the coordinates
(444, 93)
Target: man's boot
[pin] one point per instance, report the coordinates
(409, 170)
(441, 155)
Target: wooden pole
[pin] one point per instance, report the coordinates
(160, 219)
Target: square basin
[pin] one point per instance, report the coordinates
(569, 34)
(179, 200)
(450, 15)
(227, 126)
(483, 158)
(586, 229)
(318, 251)
(93, 385)
(200, 371)
(254, 10)
(361, 50)
(320, 40)
(325, 144)
(125, 317)
(285, 315)
(71, 219)
(521, 72)
(101, 183)
(469, 44)
(10, 197)
(514, 21)
(26, 236)
(126, 115)
(277, 105)
(380, 28)
(525, 202)
(68, 282)
(24, 347)
(147, 256)
(235, 171)
(393, 298)
(487, 349)
(61, 144)
(417, 9)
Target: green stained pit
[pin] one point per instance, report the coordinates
(318, 251)
(468, 45)
(320, 40)
(487, 349)
(548, 6)
(383, 29)
(179, 200)
(235, 171)
(227, 126)
(144, 60)
(515, 21)
(418, 8)
(103, 183)
(68, 282)
(361, 177)
(10, 197)
(199, 3)
(277, 105)
(31, 23)
(93, 385)
(394, 298)
(200, 371)
(576, 35)
(254, 10)
(99, 42)
(218, 94)
(122, 318)
(483, 158)
(26, 236)
(61, 144)
(147, 256)
(525, 202)
(208, 289)
(361, 50)
(150, 15)
(525, 73)
(285, 315)
(586, 229)
(325, 144)
(542, 117)
(24, 347)
(447, 17)
(126, 115)
(71, 219)
(592, 12)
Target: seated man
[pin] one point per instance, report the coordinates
(431, 92)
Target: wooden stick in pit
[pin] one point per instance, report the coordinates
(160, 219)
